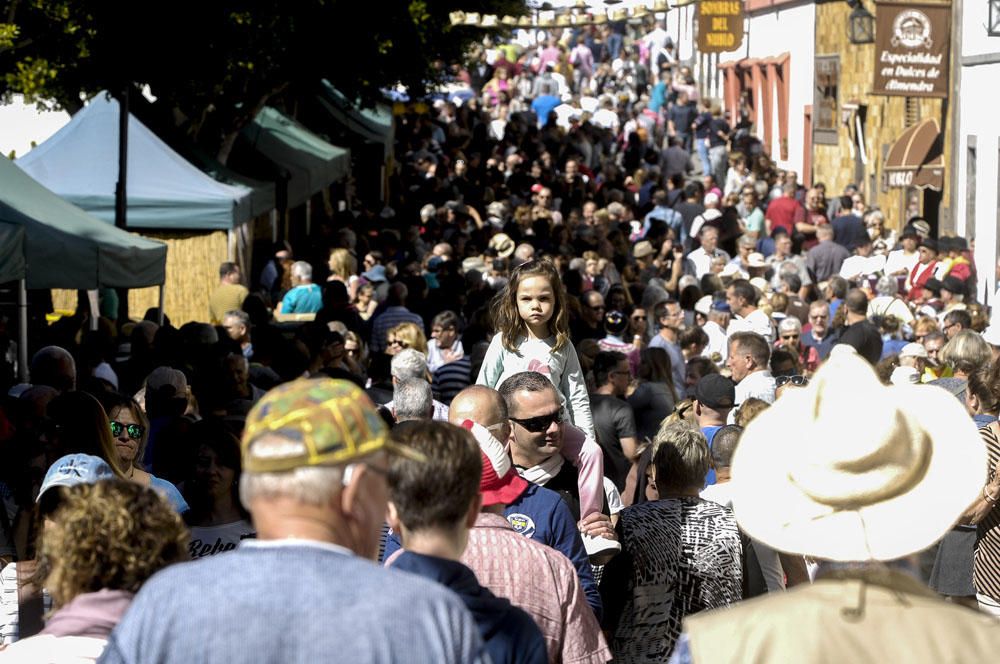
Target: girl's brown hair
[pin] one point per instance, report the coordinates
(509, 323)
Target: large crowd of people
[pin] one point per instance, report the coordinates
(600, 382)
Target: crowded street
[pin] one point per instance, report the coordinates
(568, 331)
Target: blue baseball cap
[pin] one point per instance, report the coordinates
(74, 469)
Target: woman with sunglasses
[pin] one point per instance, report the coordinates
(130, 430)
(403, 336)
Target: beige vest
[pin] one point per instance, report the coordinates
(873, 617)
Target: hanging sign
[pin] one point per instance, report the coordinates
(911, 50)
(720, 25)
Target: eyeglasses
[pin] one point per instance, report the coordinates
(397, 342)
(134, 431)
(540, 423)
(789, 336)
(794, 380)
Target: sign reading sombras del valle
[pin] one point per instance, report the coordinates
(720, 25)
(911, 50)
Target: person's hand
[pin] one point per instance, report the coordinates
(598, 525)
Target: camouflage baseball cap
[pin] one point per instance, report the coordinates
(334, 419)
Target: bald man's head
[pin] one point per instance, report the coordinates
(478, 403)
(55, 367)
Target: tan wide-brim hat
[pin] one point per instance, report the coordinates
(847, 469)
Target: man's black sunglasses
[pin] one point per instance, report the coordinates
(540, 423)
(794, 380)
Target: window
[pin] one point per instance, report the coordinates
(825, 100)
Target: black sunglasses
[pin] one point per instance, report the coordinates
(540, 423)
(134, 431)
(794, 380)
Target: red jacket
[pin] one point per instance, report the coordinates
(918, 277)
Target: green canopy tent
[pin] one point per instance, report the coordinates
(367, 132)
(305, 163)
(11, 251)
(48, 242)
(372, 124)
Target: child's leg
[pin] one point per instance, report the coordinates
(588, 457)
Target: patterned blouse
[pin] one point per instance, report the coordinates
(679, 556)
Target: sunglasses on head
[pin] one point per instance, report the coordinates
(540, 423)
(794, 380)
(134, 431)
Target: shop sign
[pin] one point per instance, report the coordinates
(911, 50)
(720, 25)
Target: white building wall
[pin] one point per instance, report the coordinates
(980, 71)
(786, 29)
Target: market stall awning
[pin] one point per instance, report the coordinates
(80, 163)
(11, 251)
(63, 246)
(309, 162)
(372, 124)
(916, 158)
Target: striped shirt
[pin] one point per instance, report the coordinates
(986, 563)
(452, 378)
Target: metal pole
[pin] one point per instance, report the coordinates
(121, 204)
(22, 345)
(121, 196)
(159, 315)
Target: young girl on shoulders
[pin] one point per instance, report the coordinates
(533, 335)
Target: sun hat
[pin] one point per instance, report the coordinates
(502, 244)
(756, 259)
(499, 483)
(921, 226)
(703, 305)
(913, 350)
(642, 249)
(904, 376)
(335, 420)
(74, 469)
(871, 472)
(715, 391)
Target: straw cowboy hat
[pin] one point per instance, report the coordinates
(870, 472)
(502, 244)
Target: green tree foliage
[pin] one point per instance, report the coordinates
(219, 61)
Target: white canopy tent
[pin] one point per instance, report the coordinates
(80, 163)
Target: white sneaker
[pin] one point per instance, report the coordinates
(600, 549)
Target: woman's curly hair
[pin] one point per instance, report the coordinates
(112, 535)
